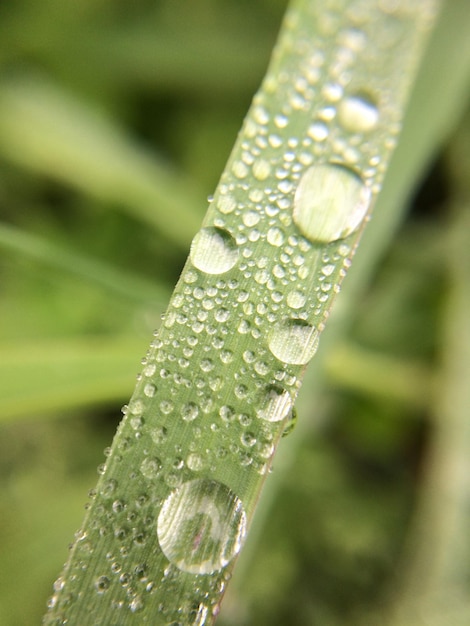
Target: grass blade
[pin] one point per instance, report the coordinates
(219, 382)
(44, 129)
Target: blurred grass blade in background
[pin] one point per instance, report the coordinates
(44, 129)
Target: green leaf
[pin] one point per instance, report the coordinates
(218, 386)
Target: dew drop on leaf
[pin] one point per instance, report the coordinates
(151, 467)
(296, 299)
(190, 411)
(358, 113)
(293, 341)
(261, 169)
(201, 526)
(275, 404)
(275, 237)
(102, 584)
(318, 131)
(213, 251)
(330, 202)
(195, 462)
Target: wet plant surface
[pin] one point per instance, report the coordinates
(101, 215)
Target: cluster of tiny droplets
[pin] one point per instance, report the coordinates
(246, 317)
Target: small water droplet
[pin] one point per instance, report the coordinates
(136, 604)
(296, 299)
(226, 204)
(118, 506)
(150, 369)
(195, 462)
(102, 584)
(159, 434)
(201, 526)
(206, 365)
(190, 411)
(275, 237)
(293, 341)
(149, 390)
(222, 315)
(261, 169)
(248, 439)
(151, 467)
(260, 115)
(227, 413)
(239, 169)
(166, 407)
(276, 404)
(250, 218)
(358, 113)
(281, 121)
(330, 202)
(213, 251)
(318, 131)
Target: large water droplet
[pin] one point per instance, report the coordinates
(201, 526)
(293, 341)
(214, 251)
(358, 113)
(275, 405)
(330, 202)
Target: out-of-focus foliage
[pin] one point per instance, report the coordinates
(105, 108)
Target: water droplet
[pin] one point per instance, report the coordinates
(276, 404)
(149, 390)
(159, 434)
(206, 365)
(102, 584)
(260, 115)
(136, 604)
(108, 487)
(358, 113)
(261, 169)
(226, 356)
(330, 202)
(281, 121)
(296, 299)
(275, 237)
(227, 413)
(213, 251)
(149, 370)
(151, 467)
(239, 169)
(250, 218)
(166, 407)
(201, 526)
(293, 341)
(318, 131)
(248, 439)
(189, 412)
(222, 315)
(226, 204)
(195, 462)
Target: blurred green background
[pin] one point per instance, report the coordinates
(116, 120)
